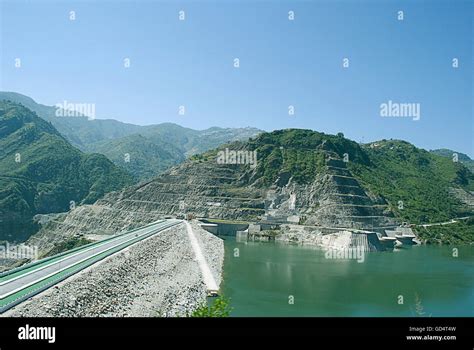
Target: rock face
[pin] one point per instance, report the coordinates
(335, 199)
(156, 277)
(198, 188)
(464, 196)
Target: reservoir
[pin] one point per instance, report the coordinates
(271, 279)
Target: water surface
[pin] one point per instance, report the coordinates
(265, 277)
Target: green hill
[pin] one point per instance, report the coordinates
(409, 184)
(421, 181)
(40, 172)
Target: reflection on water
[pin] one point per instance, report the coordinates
(261, 280)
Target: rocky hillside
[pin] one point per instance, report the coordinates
(299, 176)
(40, 172)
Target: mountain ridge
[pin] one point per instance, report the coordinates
(161, 145)
(41, 172)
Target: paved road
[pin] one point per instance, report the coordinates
(452, 221)
(33, 278)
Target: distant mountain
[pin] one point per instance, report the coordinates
(157, 147)
(152, 148)
(318, 179)
(79, 131)
(41, 172)
(191, 141)
(138, 155)
(463, 158)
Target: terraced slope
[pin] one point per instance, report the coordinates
(300, 176)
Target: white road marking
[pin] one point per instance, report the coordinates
(209, 280)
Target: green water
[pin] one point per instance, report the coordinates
(265, 277)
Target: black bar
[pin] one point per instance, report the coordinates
(369, 332)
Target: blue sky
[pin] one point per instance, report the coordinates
(282, 63)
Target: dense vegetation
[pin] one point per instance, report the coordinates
(220, 307)
(40, 172)
(300, 153)
(461, 157)
(457, 233)
(414, 182)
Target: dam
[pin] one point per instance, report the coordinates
(325, 237)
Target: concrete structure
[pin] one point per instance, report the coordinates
(242, 236)
(209, 227)
(403, 234)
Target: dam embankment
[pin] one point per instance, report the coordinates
(158, 276)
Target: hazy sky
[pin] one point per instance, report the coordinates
(282, 63)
